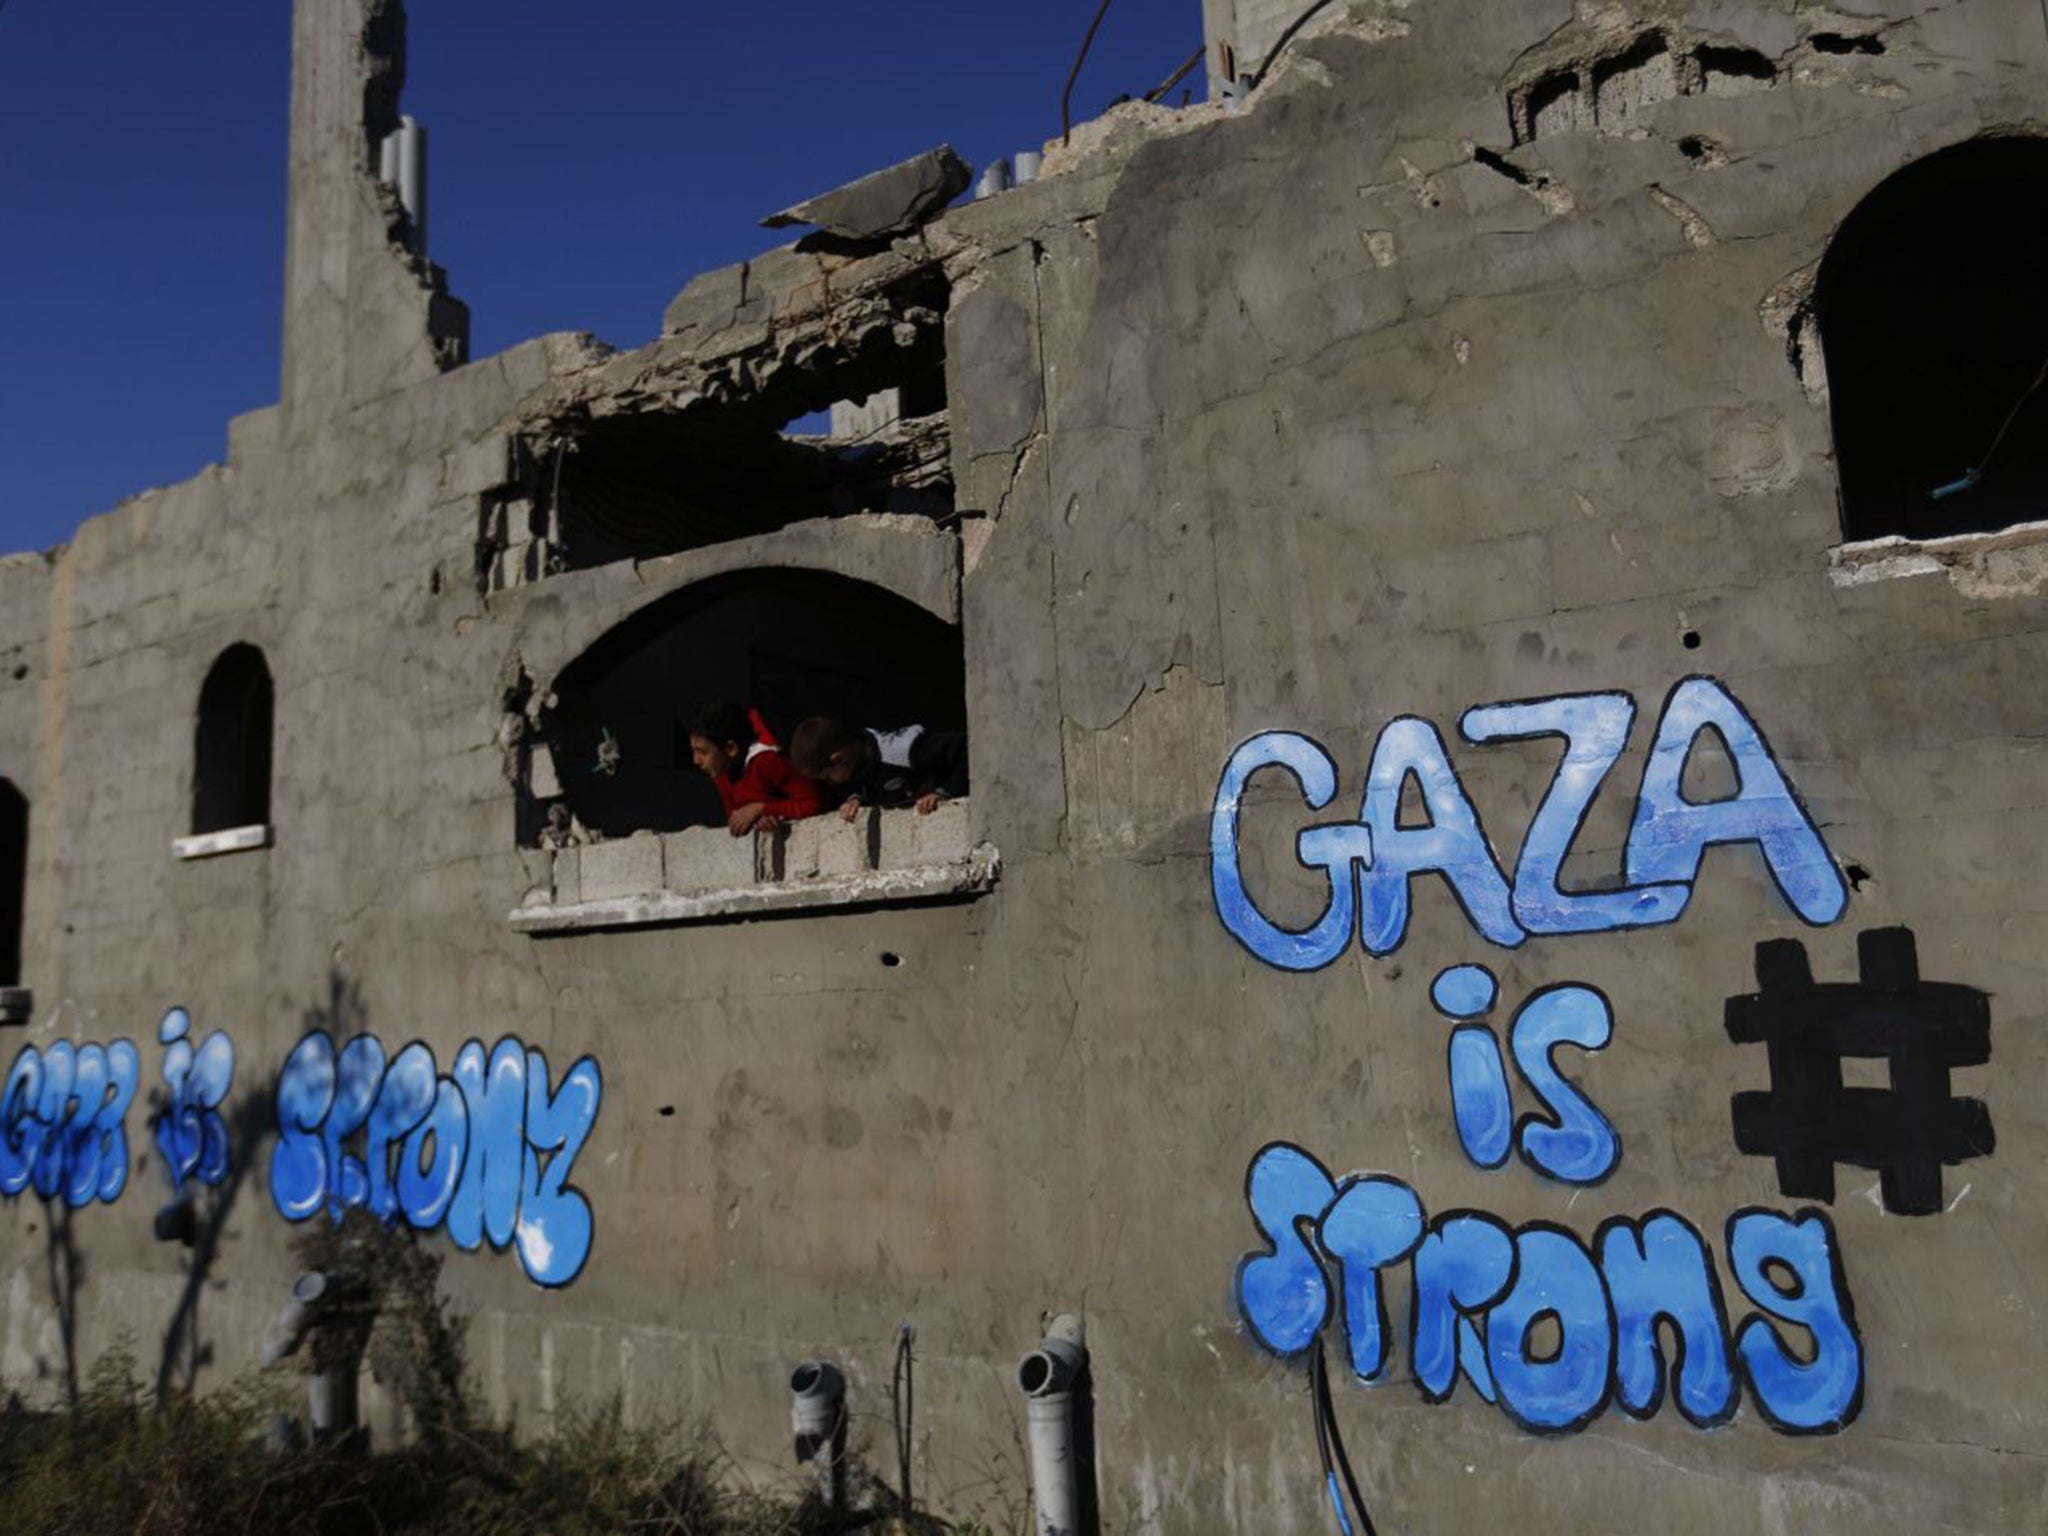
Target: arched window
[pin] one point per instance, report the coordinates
(1933, 320)
(231, 755)
(790, 643)
(13, 880)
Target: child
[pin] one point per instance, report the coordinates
(910, 766)
(755, 781)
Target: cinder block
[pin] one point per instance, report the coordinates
(845, 848)
(908, 839)
(568, 876)
(707, 859)
(626, 866)
(800, 844)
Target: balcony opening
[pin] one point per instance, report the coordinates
(1932, 321)
(789, 643)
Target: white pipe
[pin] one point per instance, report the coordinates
(412, 179)
(1047, 1377)
(817, 1412)
(301, 1308)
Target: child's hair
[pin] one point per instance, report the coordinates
(812, 744)
(722, 724)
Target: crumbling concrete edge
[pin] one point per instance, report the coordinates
(972, 876)
(2010, 562)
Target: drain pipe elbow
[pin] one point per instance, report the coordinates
(1053, 1379)
(301, 1311)
(817, 1413)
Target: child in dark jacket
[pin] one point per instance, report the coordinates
(755, 782)
(912, 765)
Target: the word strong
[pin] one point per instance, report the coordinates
(485, 1150)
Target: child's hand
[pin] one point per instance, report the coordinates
(742, 820)
(927, 803)
(850, 809)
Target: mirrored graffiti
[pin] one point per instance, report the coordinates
(1550, 1329)
(63, 1121)
(485, 1151)
(1369, 863)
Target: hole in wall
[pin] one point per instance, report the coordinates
(1690, 639)
(1857, 876)
(1733, 71)
(1843, 42)
(891, 959)
(666, 1111)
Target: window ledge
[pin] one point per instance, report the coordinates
(881, 858)
(2006, 562)
(206, 845)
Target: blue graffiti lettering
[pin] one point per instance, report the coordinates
(1595, 728)
(1452, 845)
(1372, 1223)
(486, 1151)
(1465, 1264)
(1546, 1328)
(191, 1136)
(1281, 1292)
(1565, 1388)
(1371, 863)
(63, 1121)
(1670, 832)
(1816, 1396)
(1574, 1142)
(1655, 1269)
(1333, 849)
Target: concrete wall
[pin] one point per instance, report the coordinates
(1298, 419)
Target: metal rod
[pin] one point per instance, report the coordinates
(1067, 95)
(1195, 58)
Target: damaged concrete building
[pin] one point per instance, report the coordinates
(1513, 532)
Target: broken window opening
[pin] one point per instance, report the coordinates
(789, 643)
(13, 879)
(231, 753)
(1936, 341)
(643, 484)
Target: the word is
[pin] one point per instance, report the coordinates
(63, 1121)
(1550, 1329)
(191, 1136)
(1369, 862)
(1569, 1138)
(485, 1151)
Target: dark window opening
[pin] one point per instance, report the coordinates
(789, 643)
(824, 432)
(1934, 323)
(231, 759)
(13, 880)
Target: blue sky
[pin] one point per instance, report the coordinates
(586, 160)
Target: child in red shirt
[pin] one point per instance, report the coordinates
(754, 780)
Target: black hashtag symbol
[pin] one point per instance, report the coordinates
(1809, 1120)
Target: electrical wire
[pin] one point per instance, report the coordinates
(902, 1407)
(1330, 1447)
(1288, 36)
(1976, 471)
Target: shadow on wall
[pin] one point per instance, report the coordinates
(199, 1219)
(791, 643)
(197, 1214)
